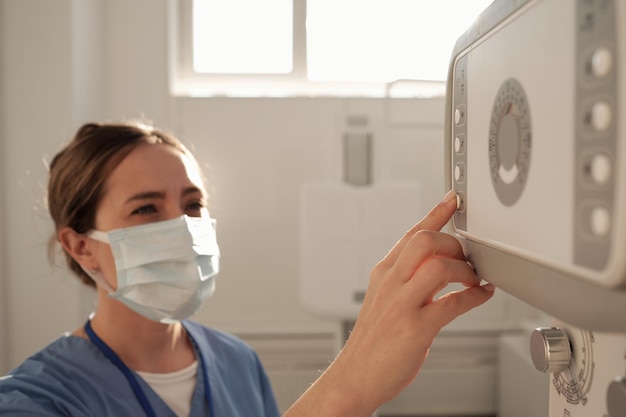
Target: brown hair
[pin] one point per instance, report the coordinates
(78, 174)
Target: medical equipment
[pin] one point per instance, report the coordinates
(534, 147)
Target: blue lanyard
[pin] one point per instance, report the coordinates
(132, 380)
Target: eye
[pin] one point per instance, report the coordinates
(147, 209)
(194, 207)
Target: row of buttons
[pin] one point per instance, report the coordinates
(459, 148)
(459, 131)
(599, 119)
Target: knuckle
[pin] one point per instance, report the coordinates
(425, 238)
(437, 267)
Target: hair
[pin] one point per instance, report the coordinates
(78, 175)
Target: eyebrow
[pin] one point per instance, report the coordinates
(160, 194)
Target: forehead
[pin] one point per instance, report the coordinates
(154, 167)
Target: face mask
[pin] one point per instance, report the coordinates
(165, 270)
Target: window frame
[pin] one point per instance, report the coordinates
(184, 81)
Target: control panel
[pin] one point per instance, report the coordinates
(536, 152)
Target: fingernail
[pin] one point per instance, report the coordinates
(489, 287)
(450, 195)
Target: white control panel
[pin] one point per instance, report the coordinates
(536, 151)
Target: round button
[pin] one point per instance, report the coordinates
(460, 201)
(601, 62)
(459, 144)
(601, 115)
(459, 173)
(600, 221)
(600, 168)
(550, 349)
(459, 114)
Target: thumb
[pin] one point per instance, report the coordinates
(442, 311)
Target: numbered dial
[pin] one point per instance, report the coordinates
(575, 383)
(510, 140)
(569, 356)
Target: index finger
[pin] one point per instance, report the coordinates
(439, 215)
(436, 218)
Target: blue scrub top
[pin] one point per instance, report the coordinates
(71, 377)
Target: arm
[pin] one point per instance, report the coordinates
(398, 321)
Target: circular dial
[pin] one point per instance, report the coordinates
(510, 142)
(575, 384)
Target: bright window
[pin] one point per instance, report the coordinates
(316, 47)
(242, 36)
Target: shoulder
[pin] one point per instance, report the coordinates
(48, 364)
(65, 375)
(33, 385)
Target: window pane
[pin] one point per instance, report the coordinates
(385, 40)
(242, 36)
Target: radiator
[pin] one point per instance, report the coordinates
(458, 378)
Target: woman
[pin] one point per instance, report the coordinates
(129, 208)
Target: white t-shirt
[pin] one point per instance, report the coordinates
(174, 388)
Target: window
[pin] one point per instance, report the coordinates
(316, 47)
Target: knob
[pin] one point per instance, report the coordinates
(616, 397)
(550, 349)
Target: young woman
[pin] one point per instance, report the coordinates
(129, 207)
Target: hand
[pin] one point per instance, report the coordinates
(399, 319)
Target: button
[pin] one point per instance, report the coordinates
(459, 173)
(601, 62)
(459, 115)
(460, 201)
(459, 144)
(601, 115)
(600, 221)
(600, 168)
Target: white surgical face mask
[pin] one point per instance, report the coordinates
(165, 270)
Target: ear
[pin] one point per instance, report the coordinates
(79, 246)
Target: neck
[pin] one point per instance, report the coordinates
(142, 344)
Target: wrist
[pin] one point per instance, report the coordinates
(336, 393)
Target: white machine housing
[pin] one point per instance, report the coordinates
(535, 148)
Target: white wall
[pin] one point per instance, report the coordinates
(258, 167)
(36, 105)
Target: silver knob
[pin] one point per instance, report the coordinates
(616, 397)
(550, 349)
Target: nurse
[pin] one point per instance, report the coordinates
(130, 211)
